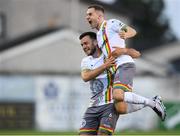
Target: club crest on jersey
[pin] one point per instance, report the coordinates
(96, 86)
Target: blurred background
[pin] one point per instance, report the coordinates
(40, 55)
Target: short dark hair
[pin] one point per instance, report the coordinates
(92, 35)
(97, 7)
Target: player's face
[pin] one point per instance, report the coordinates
(92, 18)
(88, 45)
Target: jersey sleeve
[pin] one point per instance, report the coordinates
(117, 25)
(85, 65)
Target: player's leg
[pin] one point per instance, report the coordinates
(90, 123)
(121, 107)
(136, 102)
(124, 108)
(123, 82)
(108, 120)
(122, 88)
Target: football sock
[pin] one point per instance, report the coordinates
(133, 98)
(134, 107)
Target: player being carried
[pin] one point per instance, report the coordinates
(112, 33)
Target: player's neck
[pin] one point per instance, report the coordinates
(100, 23)
(97, 53)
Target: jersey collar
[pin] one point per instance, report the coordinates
(102, 25)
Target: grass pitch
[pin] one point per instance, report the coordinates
(128, 133)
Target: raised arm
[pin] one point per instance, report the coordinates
(127, 32)
(88, 74)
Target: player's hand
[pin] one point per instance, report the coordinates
(118, 51)
(133, 53)
(123, 35)
(109, 62)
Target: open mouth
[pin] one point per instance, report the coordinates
(86, 50)
(90, 22)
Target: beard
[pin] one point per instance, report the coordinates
(92, 51)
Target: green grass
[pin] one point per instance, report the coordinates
(38, 133)
(142, 133)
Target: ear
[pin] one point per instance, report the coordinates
(100, 14)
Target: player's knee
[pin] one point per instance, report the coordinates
(121, 107)
(118, 95)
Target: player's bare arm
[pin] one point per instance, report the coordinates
(128, 51)
(91, 74)
(127, 32)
